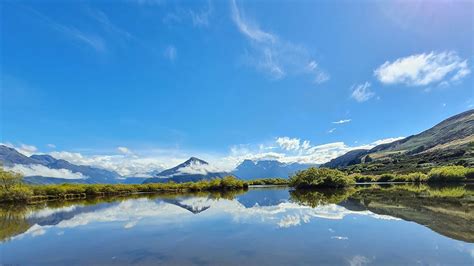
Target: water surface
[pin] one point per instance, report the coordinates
(395, 225)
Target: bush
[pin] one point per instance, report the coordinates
(470, 173)
(16, 193)
(386, 178)
(359, 178)
(320, 177)
(449, 174)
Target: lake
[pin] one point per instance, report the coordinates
(364, 225)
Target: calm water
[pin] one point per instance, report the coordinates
(403, 225)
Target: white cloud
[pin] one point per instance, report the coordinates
(359, 260)
(291, 150)
(273, 55)
(362, 92)
(125, 165)
(124, 150)
(24, 149)
(91, 40)
(385, 141)
(340, 237)
(50, 145)
(170, 53)
(343, 121)
(331, 130)
(41, 170)
(27, 149)
(196, 168)
(288, 143)
(424, 69)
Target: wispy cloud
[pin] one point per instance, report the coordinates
(108, 25)
(273, 55)
(170, 53)
(331, 130)
(201, 17)
(147, 2)
(343, 121)
(91, 40)
(41, 170)
(424, 69)
(22, 148)
(362, 92)
(288, 143)
(198, 17)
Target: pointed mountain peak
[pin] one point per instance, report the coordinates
(194, 160)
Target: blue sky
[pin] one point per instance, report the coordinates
(158, 81)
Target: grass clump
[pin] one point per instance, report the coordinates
(449, 174)
(320, 177)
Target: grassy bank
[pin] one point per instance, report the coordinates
(323, 177)
(13, 190)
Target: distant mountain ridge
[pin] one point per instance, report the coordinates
(10, 157)
(250, 169)
(192, 170)
(450, 141)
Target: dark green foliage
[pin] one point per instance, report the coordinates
(268, 181)
(26, 193)
(320, 177)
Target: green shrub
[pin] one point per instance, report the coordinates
(359, 178)
(386, 178)
(16, 193)
(448, 174)
(470, 173)
(320, 177)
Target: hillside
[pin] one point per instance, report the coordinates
(449, 142)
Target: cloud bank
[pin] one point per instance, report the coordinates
(424, 69)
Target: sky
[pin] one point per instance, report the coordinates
(139, 85)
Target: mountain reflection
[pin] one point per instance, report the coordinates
(445, 210)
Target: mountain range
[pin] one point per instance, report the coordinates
(250, 169)
(449, 142)
(10, 157)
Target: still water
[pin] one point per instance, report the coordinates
(395, 225)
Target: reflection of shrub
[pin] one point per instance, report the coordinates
(314, 198)
(320, 177)
(449, 174)
(449, 192)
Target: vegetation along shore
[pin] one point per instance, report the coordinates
(12, 189)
